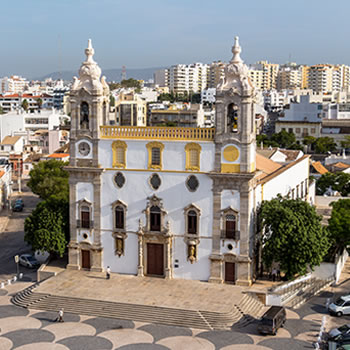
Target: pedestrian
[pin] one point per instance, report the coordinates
(60, 316)
(274, 274)
(108, 273)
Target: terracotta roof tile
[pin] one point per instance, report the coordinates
(319, 168)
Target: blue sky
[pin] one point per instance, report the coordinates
(43, 36)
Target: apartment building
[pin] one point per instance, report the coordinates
(216, 73)
(11, 102)
(183, 78)
(264, 75)
(325, 78)
(130, 109)
(14, 84)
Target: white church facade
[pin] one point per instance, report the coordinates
(171, 202)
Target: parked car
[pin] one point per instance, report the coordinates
(19, 201)
(273, 318)
(341, 306)
(343, 345)
(28, 261)
(17, 207)
(345, 329)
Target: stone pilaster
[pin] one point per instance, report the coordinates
(168, 258)
(216, 268)
(96, 257)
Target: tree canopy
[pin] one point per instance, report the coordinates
(336, 181)
(47, 227)
(49, 178)
(339, 224)
(325, 144)
(346, 142)
(292, 235)
(127, 83)
(25, 105)
(282, 139)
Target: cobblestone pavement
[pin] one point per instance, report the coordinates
(24, 329)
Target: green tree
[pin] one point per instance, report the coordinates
(284, 139)
(111, 101)
(25, 105)
(325, 144)
(1, 110)
(46, 228)
(49, 178)
(39, 102)
(337, 181)
(339, 224)
(114, 86)
(310, 142)
(293, 235)
(346, 142)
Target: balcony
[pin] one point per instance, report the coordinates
(159, 133)
(236, 235)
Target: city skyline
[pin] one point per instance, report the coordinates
(44, 37)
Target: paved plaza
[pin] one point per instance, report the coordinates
(33, 329)
(174, 293)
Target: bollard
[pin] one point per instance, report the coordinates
(2, 285)
(8, 282)
(20, 275)
(14, 278)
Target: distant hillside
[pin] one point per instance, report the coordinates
(111, 74)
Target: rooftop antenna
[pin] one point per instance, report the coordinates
(59, 58)
(290, 58)
(123, 75)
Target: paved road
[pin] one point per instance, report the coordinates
(11, 240)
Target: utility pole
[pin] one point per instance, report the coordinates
(19, 175)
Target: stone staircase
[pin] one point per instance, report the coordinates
(251, 310)
(240, 315)
(304, 294)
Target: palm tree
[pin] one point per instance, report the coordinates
(25, 105)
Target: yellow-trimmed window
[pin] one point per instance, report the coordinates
(193, 154)
(155, 150)
(119, 154)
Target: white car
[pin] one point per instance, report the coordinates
(341, 306)
(28, 260)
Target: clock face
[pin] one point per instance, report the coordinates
(84, 148)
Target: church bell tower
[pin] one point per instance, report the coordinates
(235, 118)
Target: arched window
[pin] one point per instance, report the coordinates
(84, 115)
(230, 226)
(155, 155)
(155, 218)
(85, 216)
(192, 221)
(119, 154)
(193, 151)
(119, 217)
(232, 118)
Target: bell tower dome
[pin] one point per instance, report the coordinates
(89, 99)
(235, 118)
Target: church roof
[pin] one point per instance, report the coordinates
(271, 169)
(266, 165)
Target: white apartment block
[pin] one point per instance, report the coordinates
(11, 102)
(325, 78)
(208, 95)
(264, 75)
(14, 84)
(15, 122)
(182, 78)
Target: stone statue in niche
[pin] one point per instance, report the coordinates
(232, 118)
(192, 253)
(84, 115)
(119, 249)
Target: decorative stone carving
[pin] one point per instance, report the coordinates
(236, 79)
(89, 74)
